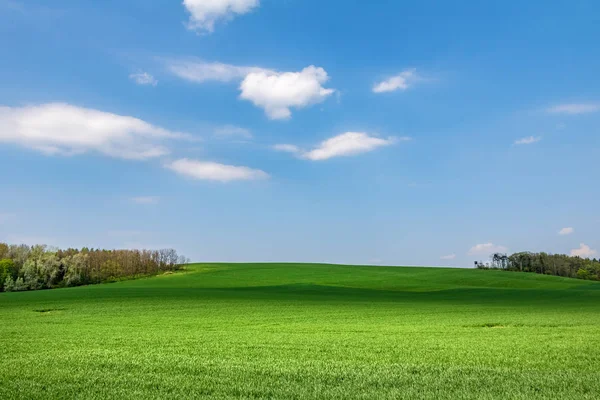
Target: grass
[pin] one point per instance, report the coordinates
(306, 331)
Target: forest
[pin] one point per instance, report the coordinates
(547, 264)
(24, 267)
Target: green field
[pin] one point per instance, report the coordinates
(295, 331)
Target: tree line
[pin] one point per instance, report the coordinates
(544, 263)
(37, 267)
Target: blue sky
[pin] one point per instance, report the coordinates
(403, 133)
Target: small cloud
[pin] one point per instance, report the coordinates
(145, 200)
(348, 144)
(143, 78)
(199, 71)
(212, 171)
(204, 14)
(528, 140)
(402, 81)
(448, 257)
(566, 231)
(575, 108)
(278, 92)
(486, 249)
(584, 251)
(287, 148)
(232, 131)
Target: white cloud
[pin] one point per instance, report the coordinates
(566, 231)
(448, 257)
(575, 108)
(277, 92)
(233, 131)
(145, 200)
(199, 71)
(214, 171)
(287, 148)
(486, 249)
(584, 251)
(63, 129)
(348, 144)
(143, 78)
(528, 140)
(205, 13)
(402, 81)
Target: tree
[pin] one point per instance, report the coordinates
(9, 284)
(20, 285)
(7, 269)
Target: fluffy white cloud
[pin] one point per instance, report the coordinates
(566, 231)
(205, 13)
(233, 131)
(575, 108)
(63, 129)
(448, 257)
(347, 144)
(287, 148)
(486, 249)
(584, 251)
(528, 140)
(145, 200)
(214, 171)
(402, 81)
(143, 78)
(277, 92)
(199, 71)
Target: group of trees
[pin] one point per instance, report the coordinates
(544, 263)
(25, 267)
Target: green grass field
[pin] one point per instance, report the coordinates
(305, 331)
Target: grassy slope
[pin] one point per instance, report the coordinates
(306, 331)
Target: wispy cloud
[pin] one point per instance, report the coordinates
(401, 81)
(528, 140)
(486, 249)
(229, 131)
(203, 170)
(145, 200)
(574, 108)
(200, 71)
(346, 144)
(143, 78)
(287, 148)
(566, 231)
(448, 257)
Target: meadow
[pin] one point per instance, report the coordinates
(306, 331)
